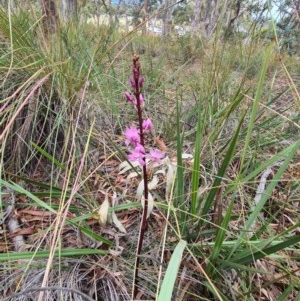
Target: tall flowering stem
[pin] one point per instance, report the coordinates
(135, 138)
(137, 85)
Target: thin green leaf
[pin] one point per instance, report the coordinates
(48, 156)
(167, 286)
(258, 208)
(253, 114)
(21, 190)
(284, 296)
(217, 293)
(267, 251)
(45, 254)
(91, 234)
(53, 192)
(219, 177)
(179, 190)
(219, 239)
(196, 165)
(263, 166)
(224, 115)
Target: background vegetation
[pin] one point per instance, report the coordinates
(224, 100)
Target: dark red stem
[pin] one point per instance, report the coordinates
(143, 225)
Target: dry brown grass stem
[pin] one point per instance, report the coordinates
(13, 118)
(28, 292)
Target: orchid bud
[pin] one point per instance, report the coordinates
(129, 97)
(136, 73)
(132, 82)
(141, 81)
(141, 99)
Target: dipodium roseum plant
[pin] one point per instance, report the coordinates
(135, 141)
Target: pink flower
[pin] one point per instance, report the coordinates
(155, 155)
(132, 136)
(138, 154)
(130, 98)
(147, 125)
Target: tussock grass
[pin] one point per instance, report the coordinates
(225, 222)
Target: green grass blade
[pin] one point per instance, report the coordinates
(286, 293)
(264, 165)
(179, 188)
(196, 165)
(258, 208)
(217, 293)
(219, 177)
(38, 184)
(48, 156)
(91, 234)
(21, 190)
(268, 251)
(167, 286)
(225, 114)
(45, 254)
(219, 239)
(51, 191)
(258, 94)
(225, 265)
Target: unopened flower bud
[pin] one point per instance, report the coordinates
(141, 81)
(141, 99)
(132, 83)
(129, 97)
(136, 73)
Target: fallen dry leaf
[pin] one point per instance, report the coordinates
(25, 231)
(161, 145)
